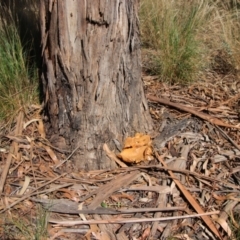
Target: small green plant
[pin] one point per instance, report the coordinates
(26, 228)
(41, 224)
(18, 75)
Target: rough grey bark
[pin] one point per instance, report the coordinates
(92, 76)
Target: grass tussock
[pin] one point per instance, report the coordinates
(229, 17)
(185, 39)
(18, 72)
(25, 228)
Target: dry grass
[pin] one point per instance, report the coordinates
(188, 39)
(184, 41)
(229, 16)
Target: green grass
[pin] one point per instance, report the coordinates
(25, 227)
(184, 40)
(172, 30)
(18, 72)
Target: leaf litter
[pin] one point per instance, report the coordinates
(181, 181)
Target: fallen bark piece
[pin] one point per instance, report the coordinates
(106, 190)
(69, 207)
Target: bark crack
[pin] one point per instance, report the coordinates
(98, 22)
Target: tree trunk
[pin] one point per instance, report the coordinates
(92, 76)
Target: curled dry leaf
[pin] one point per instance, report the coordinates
(93, 229)
(116, 197)
(25, 185)
(101, 236)
(182, 236)
(222, 222)
(20, 171)
(145, 234)
(234, 222)
(51, 154)
(137, 149)
(68, 194)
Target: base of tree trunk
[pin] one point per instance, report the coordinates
(92, 78)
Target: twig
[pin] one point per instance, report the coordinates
(61, 163)
(227, 137)
(124, 220)
(46, 143)
(208, 221)
(112, 155)
(6, 168)
(187, 172)
(13, 150)
(34, 192)
(106, 190)
(193, 111)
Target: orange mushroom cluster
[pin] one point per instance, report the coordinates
(137, 149)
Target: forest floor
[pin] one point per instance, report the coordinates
(190, 190)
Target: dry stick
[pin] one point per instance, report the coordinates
(112, 155)
(13, 150)
(53, 189)
(31, 162)
(192, 201)
(61, 163)
(106, 190)
(31, 193)
(124, 220)
(180, 171)
(227, 137)
(191, 110)
(6, 168)
(187, 172)
(51, 146)
(160, 203)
